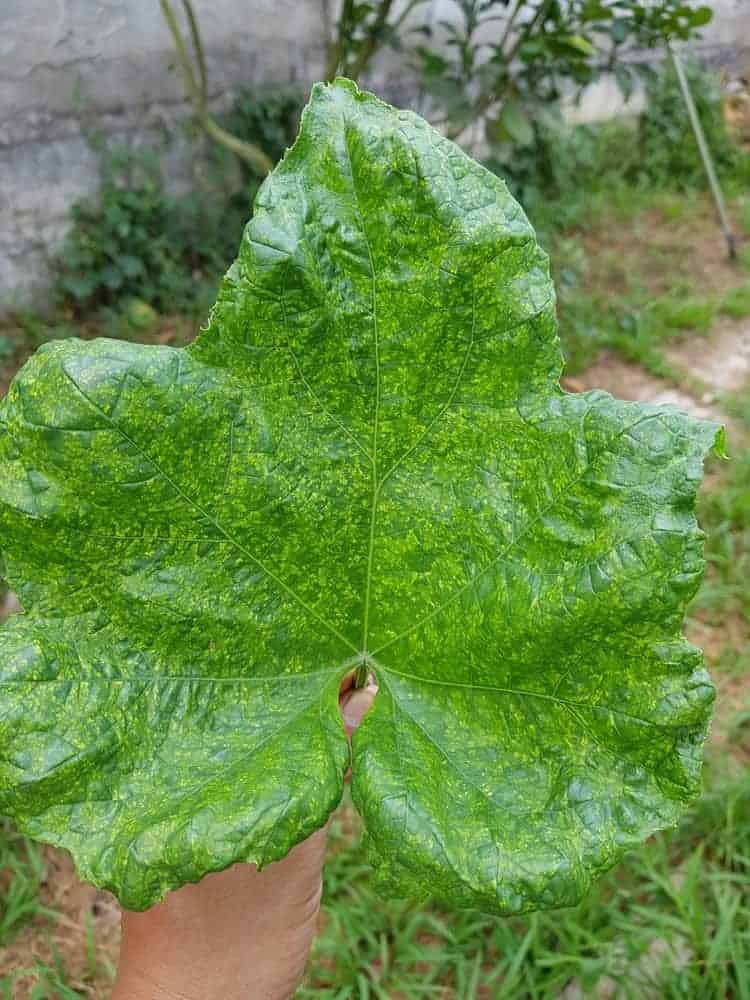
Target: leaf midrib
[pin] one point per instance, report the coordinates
(376, 413)
(360, 655)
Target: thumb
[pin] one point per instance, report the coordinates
(355, 702)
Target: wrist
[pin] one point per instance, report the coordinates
(236, 934)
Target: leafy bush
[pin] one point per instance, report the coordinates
(119, 246)
(668, 151)
(267, 118)
(137, 242)
(498, 61)
(557, 172)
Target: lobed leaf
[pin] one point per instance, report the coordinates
(364, 460)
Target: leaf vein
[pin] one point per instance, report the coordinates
(201, 510)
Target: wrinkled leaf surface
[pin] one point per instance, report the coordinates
(365, 459)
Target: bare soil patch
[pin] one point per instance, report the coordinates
(721, 362)
(628, 381)
(662, 249)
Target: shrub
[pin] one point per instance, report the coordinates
(556, 174)
(668, 152)
(118, 246)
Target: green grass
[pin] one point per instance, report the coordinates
(724, 514)
(743, 258)
(22, 870)
(743, 215)
(631, 321)
(50, 982)
(726, 519)
(606, 297)
(631, 326)
(622, 289)
(675, 312)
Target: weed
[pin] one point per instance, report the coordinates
(743, 216)
(137, 245)
(118, 247)
(561, 177)
(268, 118)
(725, 516)
(743, 258)
(676, 312)
(630, 325)
(46, 982)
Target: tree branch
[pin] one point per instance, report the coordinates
(372, 42)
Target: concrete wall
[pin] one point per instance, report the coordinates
(66, 64)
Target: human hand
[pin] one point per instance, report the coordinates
(240, 934)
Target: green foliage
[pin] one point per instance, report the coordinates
(744, 215)
(269, 118)
(686, 313)
(363, 28)
(27, 330)
(725, 511)
(563, 173)
(336, 477)
(484, 60)
(558, 175)
(668, 152)
(50, 982)
(7, 348)
(633, 323)
(120, 246)
(214, 216)
(736, 302)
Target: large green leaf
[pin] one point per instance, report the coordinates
(364, 460)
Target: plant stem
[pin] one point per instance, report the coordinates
(252, 155)
(336, 48)
(405, 13)
(491, 97)
(186, 68)
(360, 676)
(372, 42)
(708, 163)
(197, 89)
(527, 29)
(509, 24)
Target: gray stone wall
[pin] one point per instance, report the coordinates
(69, 64)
